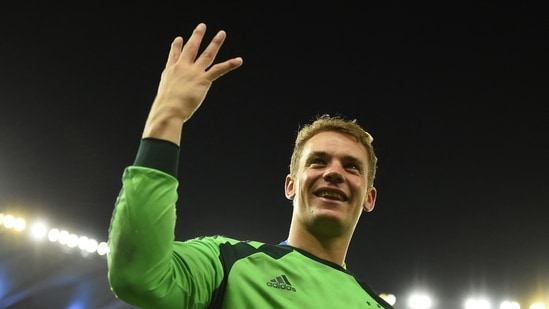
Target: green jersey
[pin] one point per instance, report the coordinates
(150, 269)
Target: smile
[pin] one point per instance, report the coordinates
(332, 194)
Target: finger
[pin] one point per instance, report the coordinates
(190, 49)
(208, 55)
(220, 69)
(175, 50)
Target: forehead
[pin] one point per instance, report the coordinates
(336, 144)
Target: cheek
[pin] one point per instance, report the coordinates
(303, 181)
(356, 182)
(359, 189)
(304, 185)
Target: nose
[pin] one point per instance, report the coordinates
(333, 175)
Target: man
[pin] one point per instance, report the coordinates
(332, 170)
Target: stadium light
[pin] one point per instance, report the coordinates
(509, 305)
(390, 298)
(419, 301)
(38, 230)
(477, 303)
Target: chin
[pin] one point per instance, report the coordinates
(329, 221)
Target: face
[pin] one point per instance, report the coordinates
(330, 189)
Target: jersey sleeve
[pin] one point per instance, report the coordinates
(146, 266)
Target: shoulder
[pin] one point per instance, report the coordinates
(220, 240)
(233, 248)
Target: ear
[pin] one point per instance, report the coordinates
(289, 187)
(370, 200)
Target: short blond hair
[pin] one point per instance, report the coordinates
(325, 122)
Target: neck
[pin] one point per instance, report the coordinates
(333, 249)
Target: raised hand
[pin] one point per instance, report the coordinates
(185, 82)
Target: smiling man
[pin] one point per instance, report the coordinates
(330, 182)
(332, 170)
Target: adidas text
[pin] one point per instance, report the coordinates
(281, 286)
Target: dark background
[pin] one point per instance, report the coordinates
(455, 97)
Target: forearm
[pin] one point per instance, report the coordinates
(163, 123)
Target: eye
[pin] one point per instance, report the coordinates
(317, 162)
(353, 167)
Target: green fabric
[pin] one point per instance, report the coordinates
(149, 269)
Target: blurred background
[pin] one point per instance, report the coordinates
(454, 95)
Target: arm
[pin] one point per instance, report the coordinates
(143, 268)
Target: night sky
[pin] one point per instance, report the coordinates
(455, 97)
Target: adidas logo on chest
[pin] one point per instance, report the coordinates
(281, 282)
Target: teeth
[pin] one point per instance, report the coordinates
(331, 194)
